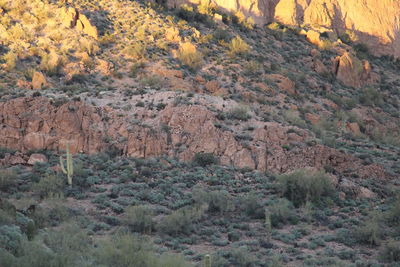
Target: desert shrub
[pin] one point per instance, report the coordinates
(371, 232)
(78, 78)
(139, 218)
(53, 213)
(124, 250)
(251, 204)
(11, 60)
(362, 50)
(181, 221)
(49, 185)
(205, 159)
(221, 35)
(293, 118)
(242, 257)
(186, 12)
(391, 252)
(7, 179)
(216, 201)
(136, 50)
(11, 238)
(4, 151)
(136, 68)
(68, 246)
(302, 185)
(239, 113)
(190, 56)
(238, 46)
(51, 63)
(392, 215)
(245, 23)
(252, 68)
(152, 81)
(281, 212)
(89, 45)
(371, 97)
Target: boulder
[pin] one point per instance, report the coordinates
(39, 80)
(72, 18)
(353, 127)
(284, 83)
(212, 86)
(353, 72)
(37, 158)
(313, 118)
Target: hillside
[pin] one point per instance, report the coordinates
(259, 136)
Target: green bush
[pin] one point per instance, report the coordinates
(140, 218)
(239, 113)
(181, 221)
(190, 56)
(281, 213)
(302, 185)
(371, 97)
(11, 238)
(7, 179)
(222, 35)
(392, 216)
(238, 46)
(136, 50)
(125, 250)
(252, 206)
(391, 252)
(50, 185)
(216, 201)
(205, 159)
(371, 232)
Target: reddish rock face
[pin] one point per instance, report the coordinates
(182, 131)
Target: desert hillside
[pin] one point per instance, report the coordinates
(199, 133)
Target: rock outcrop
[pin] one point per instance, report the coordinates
(177, 131)
(72, 18)
(353, 72)
(375, 23)
(39, 80)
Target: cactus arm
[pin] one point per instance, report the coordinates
(207, 260)
(62, 165)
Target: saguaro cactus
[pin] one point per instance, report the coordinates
(69, 170)
(268, 224)
(207, 260)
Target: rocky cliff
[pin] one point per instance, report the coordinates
(177, 131)
(375, 23)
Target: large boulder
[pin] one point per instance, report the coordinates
(39, 80)
(353, 72)
(72, 18)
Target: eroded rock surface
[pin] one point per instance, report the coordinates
(177, 131)
(375, 23)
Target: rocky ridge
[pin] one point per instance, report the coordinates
(177, 131)
(375, 23)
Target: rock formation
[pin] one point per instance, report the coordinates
(181, 131)
(72, 18)
(351, 71)
(375, 23)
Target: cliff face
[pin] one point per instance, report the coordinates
(375, 23)
(35, 123)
